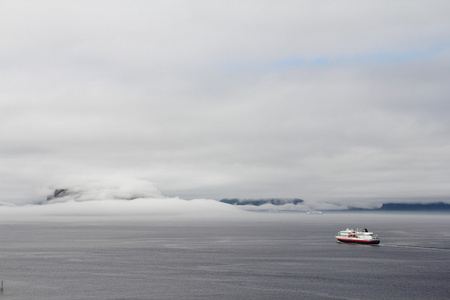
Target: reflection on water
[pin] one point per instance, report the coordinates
(267, 256)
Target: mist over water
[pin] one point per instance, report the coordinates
(114, 197)
(130, 250)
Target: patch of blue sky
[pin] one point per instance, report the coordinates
(328, 61)
(397, 57)
(367, 58)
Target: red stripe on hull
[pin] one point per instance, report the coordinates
(358, 241)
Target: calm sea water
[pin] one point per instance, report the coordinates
(268, 256)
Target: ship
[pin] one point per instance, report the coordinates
(358, 236)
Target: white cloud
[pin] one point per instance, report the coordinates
(222, 99)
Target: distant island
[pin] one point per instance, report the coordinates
(435, 206)
(438, 206)
(259, 202)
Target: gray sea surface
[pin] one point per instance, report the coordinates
(265, 256)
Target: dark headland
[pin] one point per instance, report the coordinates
(430, 207)
(438, 206)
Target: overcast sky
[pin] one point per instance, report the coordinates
(320, 100)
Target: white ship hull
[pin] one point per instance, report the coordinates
(357, 236)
